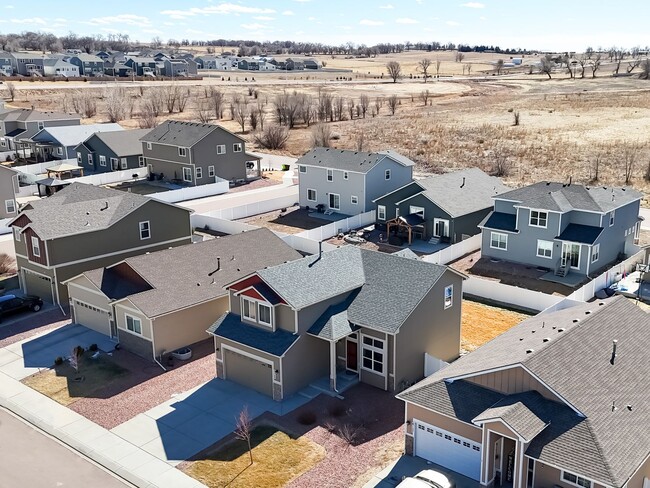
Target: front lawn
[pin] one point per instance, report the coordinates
(277, 459)
(65, 385)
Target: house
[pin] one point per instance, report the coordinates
(347, 182)
(117, 68)
(143, 66)
(206, 62)
(9, 186)
(53, 143)
(6, 67)
(59, 67)
(23, 124)
(558, 400)
(104, 152)
(198, 154)
(28, 64)
(88, 64)
(175, 67)
(566, 228)
(447, 208)
(311, 64)
(364, 314)
(249, 64)
(160, 302)
(192, 67)
(83, 227)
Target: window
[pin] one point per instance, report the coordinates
(544, 249)
(595, 253)
(102, 160)
(498, 241)
(199, 173)
(302, 169)
(335, 201)
(187, 174)
(10, 206)
(576, 480)
(145, 230)
(36, 247)
(311, 194)
(237, 147)
(248, 309)
(3, 143)
(416, 210)
(133, 324)
(372, 354)
(90, 159)
(440, 228)
(538, 219)
(612, 214)
(210, 171)
(114, 163)
(149, 146)
(387, 174)
(182, 151)
(59, 151)
(381, 212)
(124, 163)
(345, 175)
(264, 314)
(41, 126)
(141, 161)
(449, 296)
(330, 175)
(221, 149)
(354, 199)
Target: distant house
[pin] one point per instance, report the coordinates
(143, 66)
(559, 400)
(333, 319)
(22, 124)
(175, 68)
(249, 64)
(83, 227)
(9, 187)
(447, 208)
(198, 154)
(347, 182)
(159, 302)
(54, 143)
(58, 67)
(104, 152)
(311, 64)
(28, 64)
(89, 65)
(566, 228)
(6, 65)
(117, 68)
(206, 62)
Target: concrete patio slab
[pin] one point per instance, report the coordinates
(7, 356)
(140, 430)
(173, 414)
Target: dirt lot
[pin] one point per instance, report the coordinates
(291, 221)
(481, 323)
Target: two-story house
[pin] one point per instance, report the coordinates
(444, 208)
(53, 143)
(104, 152)
(159, 302)
(6, 66)
(347, 313)
(28, 64)
(88, 64)
(347, 182)
(83, 227)
(22, 123)
(59, 67)
(143, 66)
(197, 154)
(175, 68)
(560, 400)
(9, 186)
(566, 228)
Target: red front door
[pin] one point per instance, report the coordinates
(352, 355)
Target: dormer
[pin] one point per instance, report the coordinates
(256, 302)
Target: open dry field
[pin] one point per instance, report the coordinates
(481, 323)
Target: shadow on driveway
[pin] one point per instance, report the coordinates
(405, 466)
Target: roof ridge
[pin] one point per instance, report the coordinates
(601, 453)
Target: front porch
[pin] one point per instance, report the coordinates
(570, 279)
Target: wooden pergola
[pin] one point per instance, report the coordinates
(63, 170)
(406, 224)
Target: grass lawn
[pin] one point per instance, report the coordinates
(277, 459)
(482, 323)
(63, 384)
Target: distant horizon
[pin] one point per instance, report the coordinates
(558, 26)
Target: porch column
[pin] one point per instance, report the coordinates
(333, 365)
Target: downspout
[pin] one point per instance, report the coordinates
(153, 347)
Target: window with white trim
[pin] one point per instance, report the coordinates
(538, 219)
(612, 214)
(90, 159)
(41, 125)
(595, 253)
(449, 296)
(59, 151)
(381, 212)
(17, 234)
(133, 324)
(36, 247)
(3, 143)
(264, 314)
(330, 175)
(124, 163)
(199, 173)
(544, 249)
(249, 309)
(354, 200)
(575, 480)
(187, 174)
(10, 206)
(416, 210)
(182, 152)
(102, 160)
(372, 355)
(145, 230)
(79, 157)
(311, 194)
(499, 241)
(141, 161)
(211, 171)
(387, 174)
(345, 175)
(149, 146)
(221, 149)
(302, 169)
(237, 147)
(113, 163)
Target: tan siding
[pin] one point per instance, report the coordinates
(548, 476)
(513, 380)
(285, 318)
(415, 412)
(501, 429)
(126, 307)
(78, 289)
(307, 316)
(637, 480)
(306, 361)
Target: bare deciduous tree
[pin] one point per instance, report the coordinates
(350, 106)
(253, 119)
(583, 61)
(203, 111)
(338, 107)
(244, 430)
(241, 113)
(423, 67)
(501, 164)
(392, 104)
(469, 68)
(321, 135)
(11, 88)
(595, 64)
(394, 70)
(359, 141)
(170, 94)
(183, 98)
(645, 69)
(498, 66)
(379, 102)
(216, 100)
(438, 65)
(261, 114)
(459, 57)
(87, 104)
(364, 102)
(546, 66)
(424, 96)
(272, 137)
(117, 104)
(630, 153)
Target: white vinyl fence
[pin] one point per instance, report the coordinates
(192, 192)
(201, 221)
(3, 226)
(263, 206)
(455, 251)
(432, 364)
(512, 295)
(330, 230)
(304, 244)
(112, 177)
(40, 168)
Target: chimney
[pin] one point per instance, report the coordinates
(463, 184)
(613, 358)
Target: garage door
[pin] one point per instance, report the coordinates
(248, 372)
(91, 317)
(448, 450)
(38, 285)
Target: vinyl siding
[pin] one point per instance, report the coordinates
(445, 423)
(307, 360)
(513, 380)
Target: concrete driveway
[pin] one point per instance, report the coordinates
(192, 421)
(395, 472)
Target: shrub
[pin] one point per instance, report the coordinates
(306, 418)
(7, 264)
(272, 137)
(58, 361)
(321, 135)
(93, 347)
(516, 118)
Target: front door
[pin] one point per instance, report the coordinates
(571, 255)
(351, 355)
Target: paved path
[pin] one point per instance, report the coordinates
(35, 460)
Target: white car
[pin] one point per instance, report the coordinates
(427, 479)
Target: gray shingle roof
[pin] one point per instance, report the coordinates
(80, 208)
(560, 197)
(123, 144)
(462, 192)
(229, 326)
(361, 162)
(183, 134)
(184, 276)
(29, 115)
(500, 221)
(518, 412)
(72, 135)
(575, 363)
(406, 253)
(585, 234)
(334, 323)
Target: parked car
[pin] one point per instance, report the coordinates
(427, 478)
(10, 304)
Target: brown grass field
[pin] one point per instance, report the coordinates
(481, 323)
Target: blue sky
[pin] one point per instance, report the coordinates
(543, 24)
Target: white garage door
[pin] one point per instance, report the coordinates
(448, 450)
(91, 317)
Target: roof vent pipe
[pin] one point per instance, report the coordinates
(613, 358)
(463, 182)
